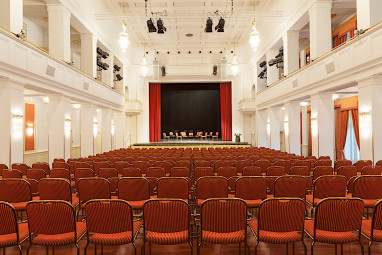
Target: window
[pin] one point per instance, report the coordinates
(351, 148)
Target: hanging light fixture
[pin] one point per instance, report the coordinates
(144, 65)
(124, 37)
(234, 65)
(254, 38)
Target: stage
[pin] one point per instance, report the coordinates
(190, 143)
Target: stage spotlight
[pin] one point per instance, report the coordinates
(150, 26)
(215, 70)
(117, 68)
(208, 28)
(220, 25)
(119, 77)
(161, 27)
(163, 70)
(105, 66)
(99, 62)
(262, 64)
(99, 51)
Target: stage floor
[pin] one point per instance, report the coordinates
(190, 143)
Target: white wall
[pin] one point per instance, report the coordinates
(35, 33)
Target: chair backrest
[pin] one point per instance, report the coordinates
(166, 215)
(36, 174)
(55, 189)
(183, 163)
(251, 171)
(306, 163)
(106, 216)
(8, 220)
(290, 186)
(79, 165)
(42, 166)
(202, 172)
(225, 215)
(263, 164)
(153, 185)
(368, 187)
(281, 215)
(299, 170)
(202, 164)
(120, 165)
(60, 173)
(180, 172)
(34, 186)
(241, 164)
(93, 188)
(51, 218)
(173, 187)
(11, 174)
(15, 190)
(227, 171)
(60, 165)
(331, 212)
(347, 171)
(21, 167)
(98, 165)
(251, 188)
(275, 171)
(82, 173)
(322, 170)
(142, 165)
(329, 186)
(130, 160)
(107, 173)
(283, 163)
(131, 172)
(165, 165)
(323, 162)
(220, 163)
(157, 172)
(377, 218)
(133, 189)
(211, 187)
(341, 163)
(371, 170)
(360, 164)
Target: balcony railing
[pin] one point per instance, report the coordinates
(247, 105)
(133, 107)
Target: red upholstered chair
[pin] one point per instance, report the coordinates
(372, 229)
(60, 173)
(306, 163)
(329, 225)
(34, 187)
(263, 164)
(283, 163)
(165, 165)
(183, 163)
(323, 162)
(82, 173)
(11, 174)
(223, 221)
(371, 170)
(98, 165)
(360, 164)
(211, 187)
(227, 171)
(251, 171)
(347, 171)
(341, 163)
(36, 174)
(21, 167)
(120, 165)
(134, 190)
(153, 186)
(166, 222)
(321, 171)
(324, 157)
(107, 173)
(241, 164)
(220, 163)
(232, 184)
(280, 221)
(131, 172)
(2, 167)
(173, 187)
(110, 222)
(157, 172)
(60, 165)
(11, 233)
(327, 186)
(202, 172)
(142, 165)
(59, 160)
(299, 170)
(57, 189)
(17, 192)
(368, 188)
(130, 160)
(113, 185)
(53, 223)
(42, 166)
(275, 171)
(79, 165)
(202, 164)
(251, 189)
(290, 186)
(180, 172)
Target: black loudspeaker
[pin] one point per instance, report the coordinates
(215, 70)
(163, 70)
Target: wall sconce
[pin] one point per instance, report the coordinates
(45, 99)
(268, 128)
(112, 127)
(286, 127)
(30, 129)
(314, 126)
(68, 126)
(365, 124)
(17, 126)
(95, 128)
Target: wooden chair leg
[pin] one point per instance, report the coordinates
(369, 248)
(311, 248)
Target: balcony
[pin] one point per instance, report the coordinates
(133, 107)
(247, 106)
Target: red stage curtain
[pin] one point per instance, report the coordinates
(301, 132)
(354, 116)
(155, 111)
(342, 129)
(310, 135)
(226, 111)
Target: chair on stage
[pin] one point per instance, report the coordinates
(172, 135)
(166, 136)
(216, 136)
(190, 134)
(183, 134)
(178, 136)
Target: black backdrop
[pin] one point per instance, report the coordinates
(190, 107)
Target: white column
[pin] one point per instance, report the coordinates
(292, 127)
(119, 132)
(59, 139)
(108, 75)
(106, 129)
(320, 28)
(89, 130)
(11, 15)
(369, 13)
(272, 71)
(303, 57)
(305, 131)
(322, 123)
(291, 51)
(89, 54)
(275, 126)
(12, 122)
(261, 127)
(370, 122)
(59, 31)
